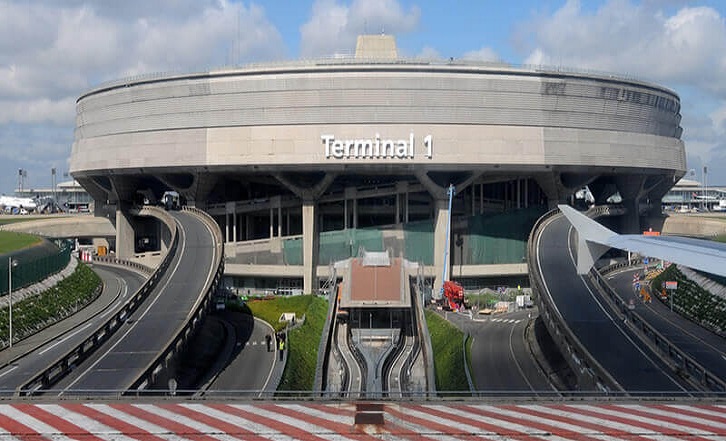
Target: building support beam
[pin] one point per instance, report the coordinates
(311, 228)
(311, 244)
(125, 235)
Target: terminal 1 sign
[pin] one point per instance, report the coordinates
(376, 147)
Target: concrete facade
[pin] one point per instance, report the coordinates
(305, 132)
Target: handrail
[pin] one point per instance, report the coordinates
(63, 364)
(666, 348)
(200, 309)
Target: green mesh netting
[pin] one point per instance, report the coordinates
(500, 238)
(335, 245)
(419, 238)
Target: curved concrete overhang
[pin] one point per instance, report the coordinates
(485, 117)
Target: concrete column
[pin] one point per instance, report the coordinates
(355, 213)
(272, 223)
(310, 245)
(351, 194)
(226, 227)
(234, 227)
(345, 213)
(124, 235)
(481, 198)
(248, 226)
(401, 202)
(442, 215)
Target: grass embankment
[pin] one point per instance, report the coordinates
(447, 345)
(11, 241)
(37, 312)
(303, 341)
(15, 220)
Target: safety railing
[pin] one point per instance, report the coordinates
(63, 365)
(683, 364)
(590, 373)
(187, 330)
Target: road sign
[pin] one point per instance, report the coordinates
(671, 285)
(637, 286)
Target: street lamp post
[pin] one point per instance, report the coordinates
(705, 186)
(11, 264)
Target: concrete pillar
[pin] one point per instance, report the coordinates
(631, 190)
(310, 245)
(248, 226)
(401, 202)
(441, 221)
(124, 235)
(351, 194)
(481, 198)
(234, 227)
(272, 222)
(345, 213)
(226, 227)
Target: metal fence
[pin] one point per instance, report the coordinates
(33, 265)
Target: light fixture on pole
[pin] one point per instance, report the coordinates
(705, 186)
(11, 264)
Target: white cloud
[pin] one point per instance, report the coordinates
(334, 26)
(60, 112)
(622, 37)
(51, 51)
(59, 49)
(429, 53)
(483, 54)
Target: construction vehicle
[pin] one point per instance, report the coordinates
(453, 295)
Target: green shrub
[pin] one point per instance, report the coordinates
(447, 343)
(37, 312)
(692, 301)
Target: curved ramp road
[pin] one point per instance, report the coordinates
(702, 345)
(605, 337)
(29, 356)
(121, 359)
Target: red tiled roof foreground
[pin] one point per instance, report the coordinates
(305, 421)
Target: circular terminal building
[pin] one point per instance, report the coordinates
(306, 163)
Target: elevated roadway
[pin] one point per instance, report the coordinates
(608, 340)
(151, 328)
(702, 345)
(32, 354)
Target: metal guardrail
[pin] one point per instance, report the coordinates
(63, 365)
(112, 260)
(590, 373)
(424, 341)
(682, 363)
(187, 330)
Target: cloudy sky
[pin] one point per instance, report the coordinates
(51, 51)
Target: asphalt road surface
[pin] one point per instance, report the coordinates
(702, 345)
(250, 364)
(605, 337)
(33, 354)
(501, 360)
(131, 349)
